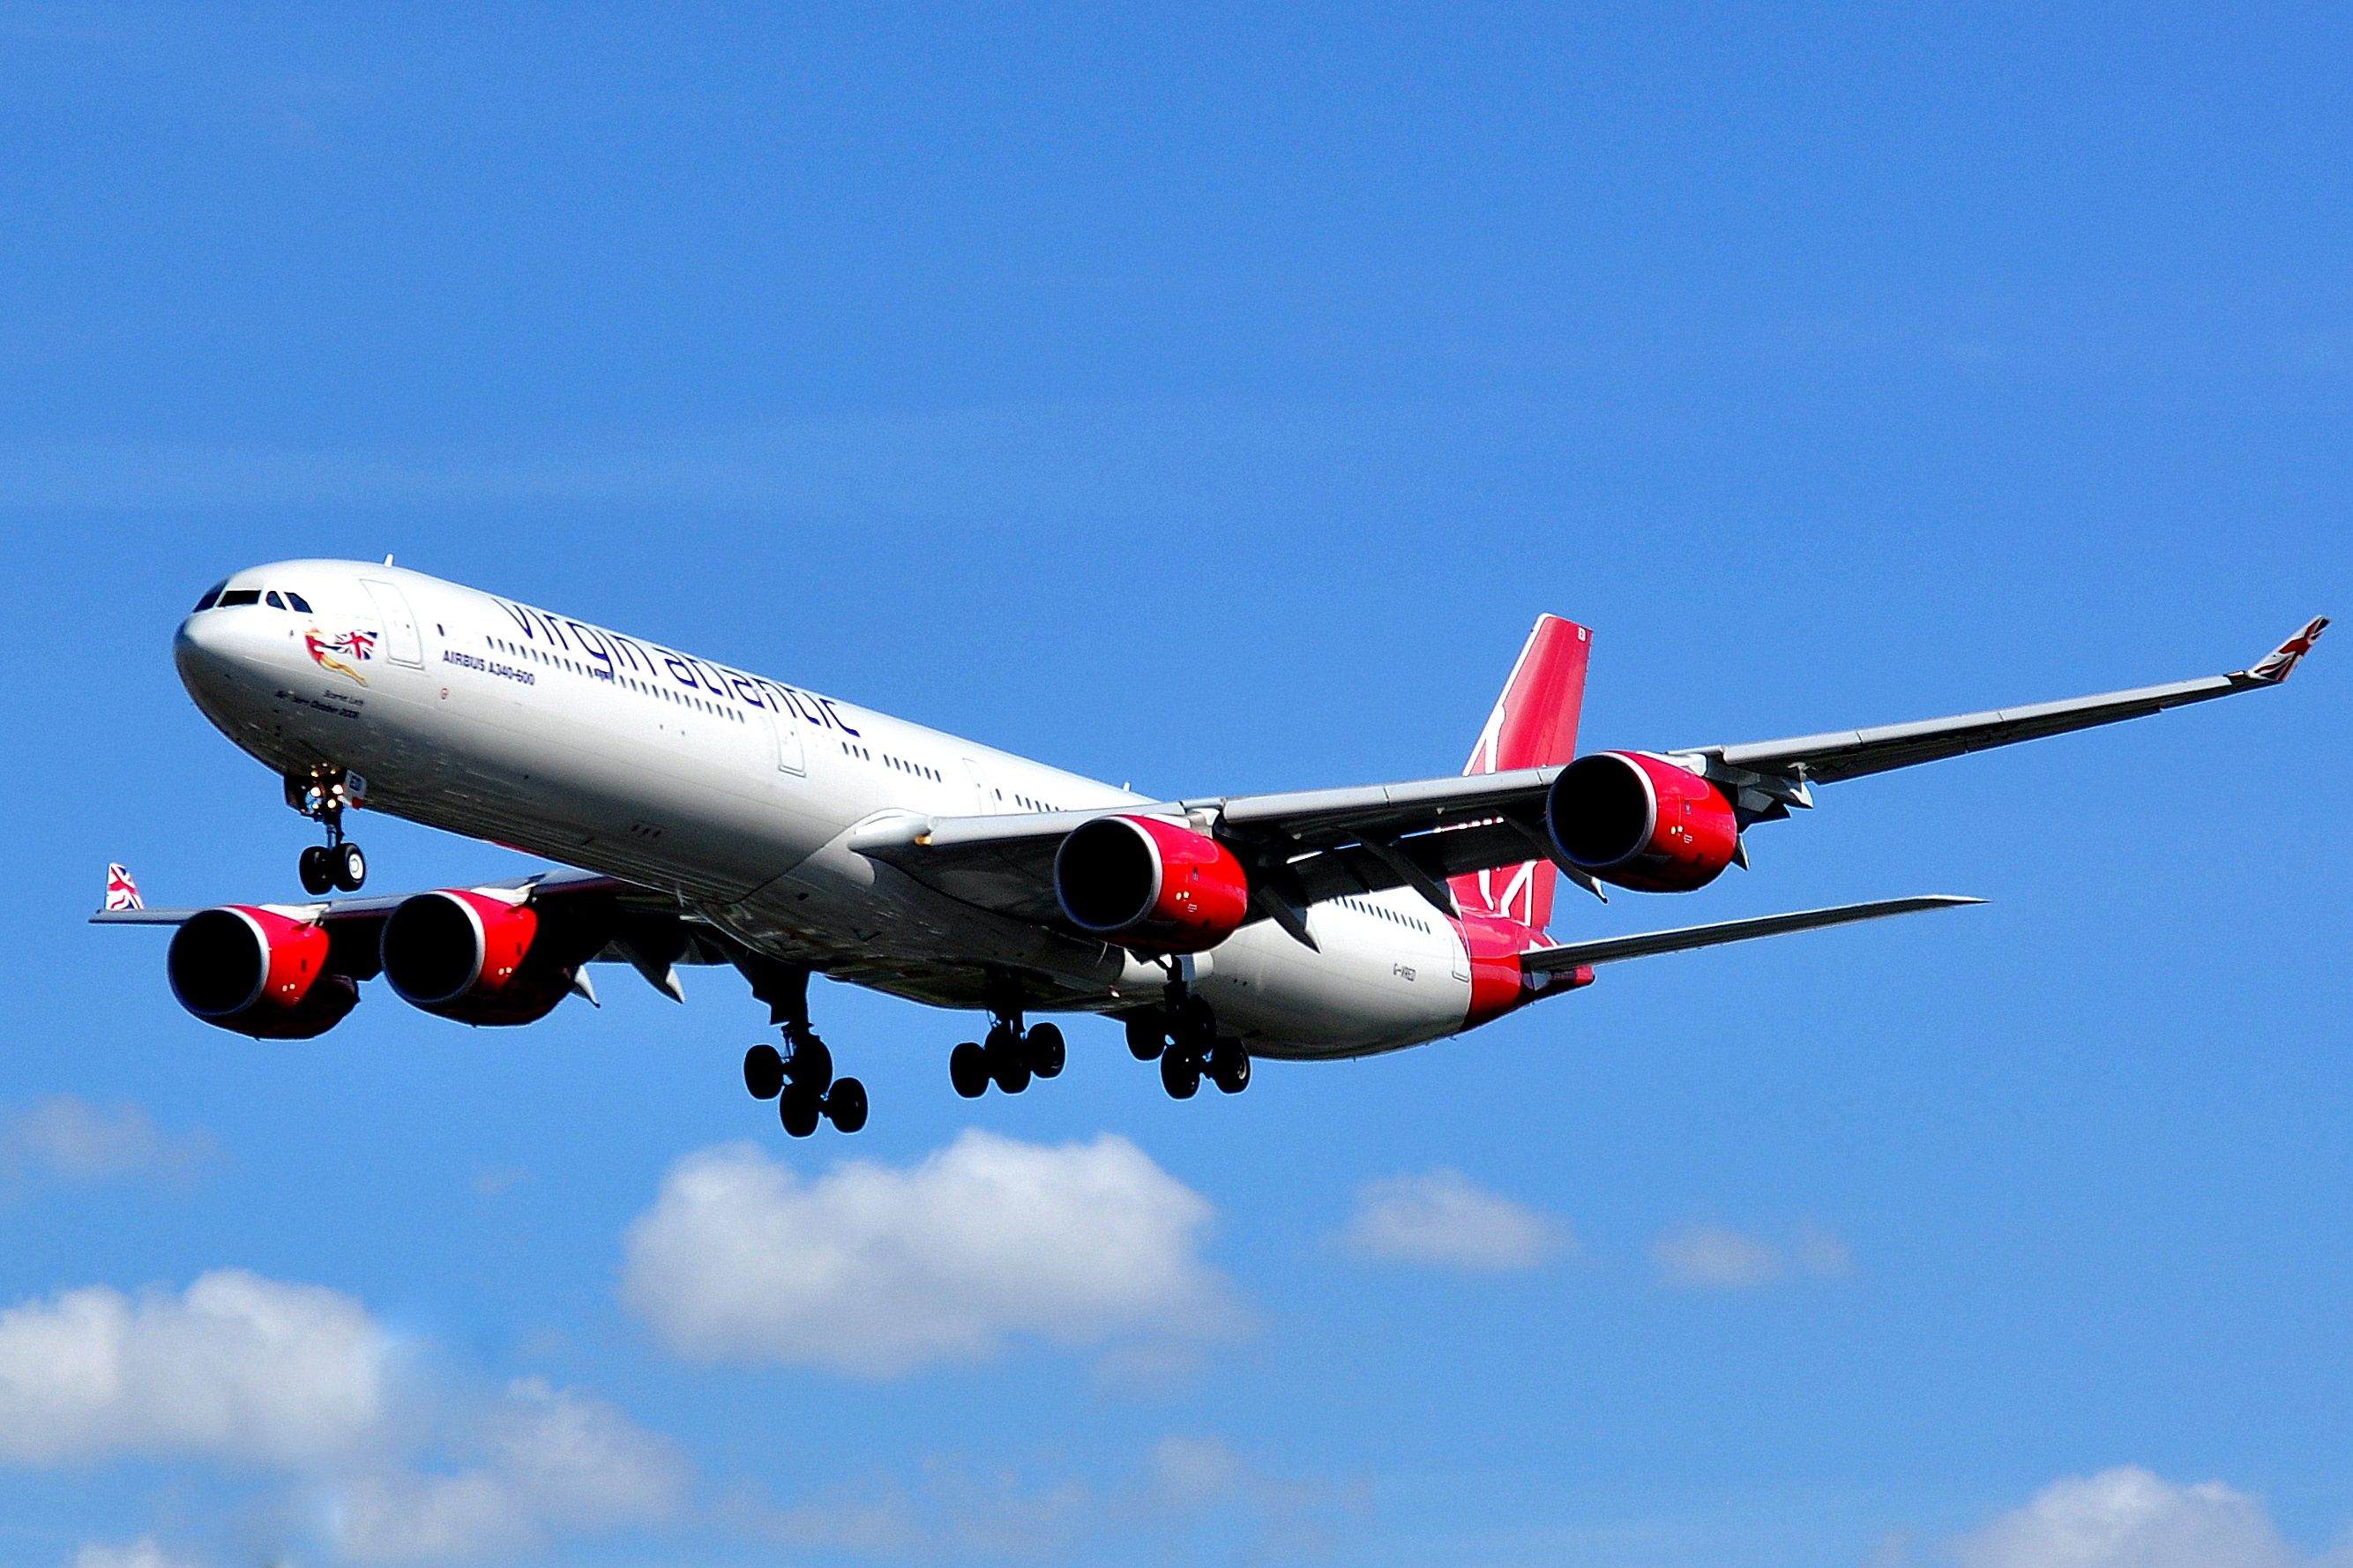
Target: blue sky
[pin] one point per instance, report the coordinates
(1211, 398)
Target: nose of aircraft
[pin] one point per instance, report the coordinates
(214, 647)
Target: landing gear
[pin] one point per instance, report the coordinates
(1011, 1056)
(800, 1077)
(322, 794)
(1183, 1035)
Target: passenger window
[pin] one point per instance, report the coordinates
(212, 595)
(298, 601)
(236, 596)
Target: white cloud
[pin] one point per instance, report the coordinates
(237, 1367)
(1717, 1257)
(877, 1272)
(1442, 1217)
(67, 1139)
(141, 1553)
(299, 1378)
(552, 1459)
(2129, 1518)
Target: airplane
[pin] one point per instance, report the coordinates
(704, 815)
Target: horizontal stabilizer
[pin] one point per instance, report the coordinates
(1609, 949)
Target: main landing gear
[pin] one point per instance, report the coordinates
(799, 1079)
(322, 795)
(1011, 1056)
(1182, 1035)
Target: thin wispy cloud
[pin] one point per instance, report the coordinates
(1444, 1219)
(879, 1272)
(141, 1553)
(1717, 1257)
(64, 1138)
(1186, 1487)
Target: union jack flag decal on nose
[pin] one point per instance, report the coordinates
(122, 892)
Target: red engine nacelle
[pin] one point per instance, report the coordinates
(1145, 883)
(468, 956)
(1641, 822)
(258, 972)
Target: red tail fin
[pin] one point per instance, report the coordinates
(1534, 725)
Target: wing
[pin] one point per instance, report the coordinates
(1851, 753)
(651, 931)
(1610, 949)
(1307, 845)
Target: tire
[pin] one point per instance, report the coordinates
(317, 876)
(845, 1105)
(1181, 1075)
(968, 1070)
(1147, 1036)
(350, 867)
(1006, 1064)
(798, 1110)
(763, 1071)
(810, 1066)
(1230, 1066)
(1045, 1050)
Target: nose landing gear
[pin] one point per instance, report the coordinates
(322, 795)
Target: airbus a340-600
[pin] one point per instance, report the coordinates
(706, 815)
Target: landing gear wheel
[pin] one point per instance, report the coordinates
(350, 866)
(798, 1109)
(1180, 1074)
(1230, 1066)
(1045, 1050)
(811, 1067)
(1006, 1063)
(763, 1071)
(1148, 1037)
(845, 1105)
(318, 875)
(968, 1070)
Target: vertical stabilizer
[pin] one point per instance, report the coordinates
(1534, 725)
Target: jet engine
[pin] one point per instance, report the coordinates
(1150, 884)
(258, 972)
(480, 959)
(1641, 822)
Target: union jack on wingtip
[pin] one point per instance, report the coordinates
(2275, 665)
(122, 892)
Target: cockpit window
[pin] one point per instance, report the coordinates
(273, 601)
(240, 597)
(298, 601)
(211, 593)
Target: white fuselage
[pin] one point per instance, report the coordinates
(490, 719)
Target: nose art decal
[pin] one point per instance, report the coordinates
(331, 653)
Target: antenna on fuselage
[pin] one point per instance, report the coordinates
(388, 560)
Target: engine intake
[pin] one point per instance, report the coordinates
(1641, 822)
(258, 972)
(1150, 884)
(479, 959)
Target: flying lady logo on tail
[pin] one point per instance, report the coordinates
(340, 654)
